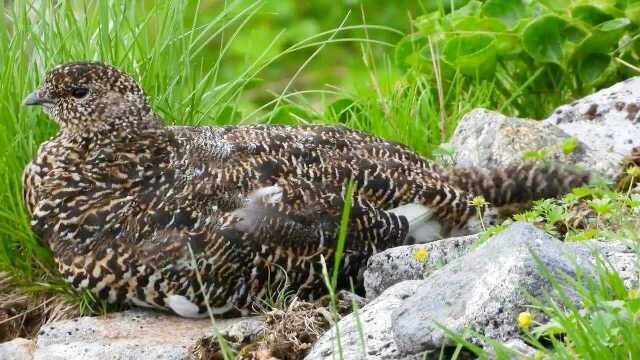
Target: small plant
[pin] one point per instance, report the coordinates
(587, 213)
(569, 145)
(479, 203)
(634, 174)
(543, 48)
(534, 154)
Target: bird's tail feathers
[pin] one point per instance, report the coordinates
(518, 184)
(423, 227)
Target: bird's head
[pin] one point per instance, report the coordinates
(84, 96)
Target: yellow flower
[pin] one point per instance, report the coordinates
(525, 319)
(421, 254)
(478, 201)
(632, 293)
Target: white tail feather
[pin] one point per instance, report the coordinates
(422, 227)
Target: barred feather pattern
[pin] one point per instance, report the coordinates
(219, 218)
(517, 184)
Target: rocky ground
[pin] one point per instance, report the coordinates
(413, 292)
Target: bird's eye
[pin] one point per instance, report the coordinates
(79, 92)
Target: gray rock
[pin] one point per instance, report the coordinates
(484, 290)
(485, 138)
(606, 125)
(517, 348)
(622, 255)
(244, 330)
(351, 298)
(133, 334)
(400, 263)
(607, 122)
(375, 321)
(17, 349)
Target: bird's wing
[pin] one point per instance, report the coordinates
(231, 162)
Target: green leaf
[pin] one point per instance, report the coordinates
(556, 5)
(473, 55)
(614, 25)
(445, 5)
(506, 42)
(545, 39)
(604, 38)
(575, 34)
(534, 154)
(633, 12)
(569, 145)
(479, 24)
(593, 68)
(590, 14)
(407, 50)
(429, 24)
(470, 9)
(509, 11)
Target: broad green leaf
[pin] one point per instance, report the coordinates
(556, 5)
(429, 24)
(590, 14)
(604, 38)
(606, 7)
(633, 12)
(507, 42)
(545, 39)
(470, 9)
(473, 55)
(425, 57)
(477, 24)
(575, 34)
(509, 11)
(592, 69)
(614, 25)
(445, 5)
(407, 50)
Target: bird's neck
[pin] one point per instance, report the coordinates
(120, 131)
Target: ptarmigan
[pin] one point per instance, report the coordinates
(198, 219)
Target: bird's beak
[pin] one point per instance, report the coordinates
(35, 99)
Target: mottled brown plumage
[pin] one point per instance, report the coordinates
(135, 210)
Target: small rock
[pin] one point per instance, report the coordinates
(488, 139)
(620, 254)
(401, 263)
(133, 334)
(375, 322)
(518, 350)
(245, 330)
(607, 122)
(484, 290)
(17, 349)
(347, 298)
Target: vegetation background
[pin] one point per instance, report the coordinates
(406, 70)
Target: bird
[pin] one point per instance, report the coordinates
(213, 220)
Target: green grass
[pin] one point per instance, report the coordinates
(217, 63)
